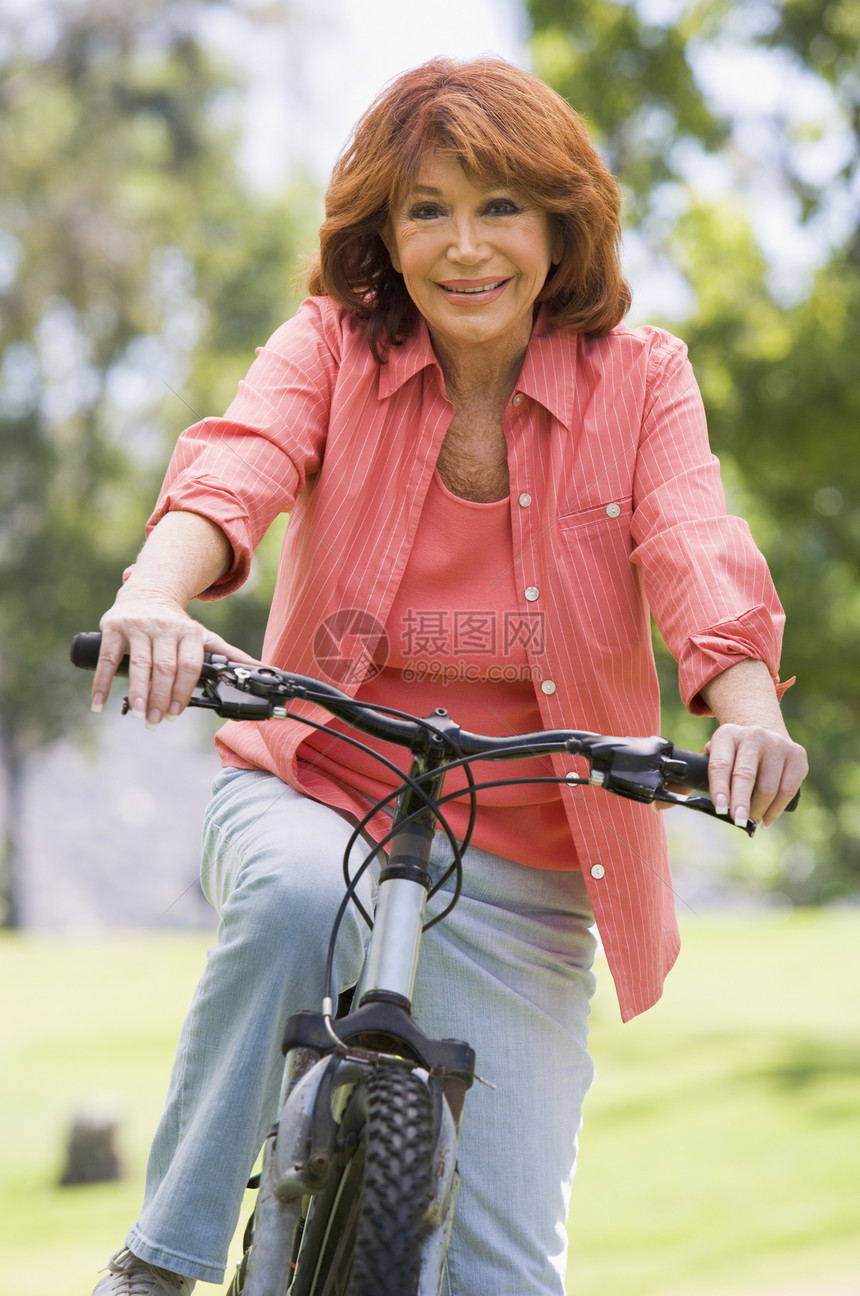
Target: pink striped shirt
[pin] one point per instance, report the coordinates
(616, 508)
(454, 637)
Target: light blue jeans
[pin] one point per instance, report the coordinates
(509, 970)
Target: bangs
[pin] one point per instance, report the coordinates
(456, 128)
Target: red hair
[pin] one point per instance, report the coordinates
(501, 124)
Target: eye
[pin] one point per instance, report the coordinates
(502, 207)
(425, 211)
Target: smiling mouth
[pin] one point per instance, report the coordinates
(477, 291)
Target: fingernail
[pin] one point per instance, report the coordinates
(153, 720)
(137, 713)
(173, 711)
(721, 805)
(96, 707)
(740, 817)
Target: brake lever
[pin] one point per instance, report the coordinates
(630, 773)
(238, 692)
(704, 805)
(220, 690)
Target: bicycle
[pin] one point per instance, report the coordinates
(359, 1177)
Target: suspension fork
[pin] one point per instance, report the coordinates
(404, 883)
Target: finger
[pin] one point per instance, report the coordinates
(162, 678)
(113, 648)
(215, 644)
(189, 662)
(794, 771)
(767, 783)
(744, 776)
(733, 760)
(721, 758)
(139, 674)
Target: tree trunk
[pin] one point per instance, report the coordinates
(12, 782)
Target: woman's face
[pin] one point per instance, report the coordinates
(473, 256)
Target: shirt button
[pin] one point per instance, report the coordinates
(548, 686)
(524, 500)
(597, 870)
(518, 399)
(613, 510)
(532, 593)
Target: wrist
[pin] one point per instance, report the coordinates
(745, 694)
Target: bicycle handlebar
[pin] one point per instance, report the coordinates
(636, 768)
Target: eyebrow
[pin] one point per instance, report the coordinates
(430, 189)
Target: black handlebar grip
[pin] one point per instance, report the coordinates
(696, 773)
(85, 652)
(695, 769)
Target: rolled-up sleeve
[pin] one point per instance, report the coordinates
(756, 633)
(242, 470)
(706, 581)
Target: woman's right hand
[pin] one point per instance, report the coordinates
(184, 554)
(165, 648)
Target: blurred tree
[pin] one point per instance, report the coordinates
(775, 352)
(134, 263)
(630, 78)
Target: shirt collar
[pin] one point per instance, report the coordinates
(549, 369)
(404, 361)
(548, 374)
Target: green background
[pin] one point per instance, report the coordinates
(720, 1147)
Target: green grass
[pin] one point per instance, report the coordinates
(721, 1146)
(83, 1021)
(720, 1149)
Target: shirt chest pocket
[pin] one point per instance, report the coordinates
(600, 584)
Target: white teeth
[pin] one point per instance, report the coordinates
(484, 288)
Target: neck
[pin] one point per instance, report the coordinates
(473, 371)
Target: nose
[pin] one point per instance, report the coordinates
(467, 246)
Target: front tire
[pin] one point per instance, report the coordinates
(364, 1232)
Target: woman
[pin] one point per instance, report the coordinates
(491, 480)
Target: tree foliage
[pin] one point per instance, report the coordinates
(631, 80)
(777, 360)
(137, 272)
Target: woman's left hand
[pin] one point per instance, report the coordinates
(754, 766)
(754, 771)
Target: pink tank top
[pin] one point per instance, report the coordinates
(457, 640)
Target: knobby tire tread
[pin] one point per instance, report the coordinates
(396, 1187)
(374, 1245)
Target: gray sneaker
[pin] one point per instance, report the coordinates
(128, 1276)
